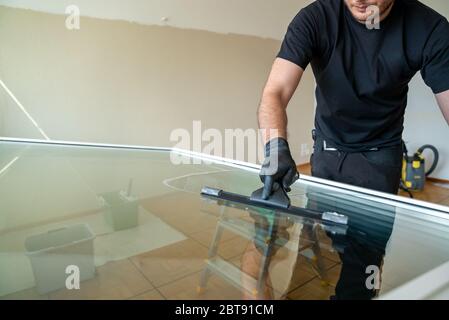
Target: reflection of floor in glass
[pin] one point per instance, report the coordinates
(231, 248)
(445, 202)
(149, 295)
(173, 271)
(114, 280)
(302, 274)
(187, 288)
(314, 289)
(182, 211)
(150, 234)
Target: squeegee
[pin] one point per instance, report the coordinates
(278, 205)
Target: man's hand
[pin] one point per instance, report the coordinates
(279, 168)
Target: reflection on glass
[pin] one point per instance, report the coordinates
(16, 120)
(362, 248)
(58, 253)
(121, 209)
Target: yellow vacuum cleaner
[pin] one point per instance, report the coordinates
(413, 169)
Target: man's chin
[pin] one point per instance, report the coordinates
(360, 17)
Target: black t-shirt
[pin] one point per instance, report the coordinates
(362, 75)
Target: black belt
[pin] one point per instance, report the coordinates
(325, 145)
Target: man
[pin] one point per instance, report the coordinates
(362, 75)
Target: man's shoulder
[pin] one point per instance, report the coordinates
(418, 11)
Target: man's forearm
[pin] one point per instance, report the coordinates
(282, 83)
(272, 117)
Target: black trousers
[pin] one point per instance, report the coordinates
(378, 170)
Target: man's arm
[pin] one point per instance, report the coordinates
(281, 85)
(443, 102)
(279, 168)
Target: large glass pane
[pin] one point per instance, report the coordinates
(131, 221)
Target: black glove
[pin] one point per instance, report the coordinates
(279, 168)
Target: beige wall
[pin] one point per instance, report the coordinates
(262, 18)
(120, 82)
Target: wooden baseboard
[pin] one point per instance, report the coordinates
(437, 180)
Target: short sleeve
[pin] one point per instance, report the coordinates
(300, 40)
(435, 69)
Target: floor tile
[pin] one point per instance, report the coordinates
(28, 294)
(150, 295)
(172, 262)
(317, 289)
(232, 248)
(114, 280)
(181, 211)
(206, 237)
(187, 288)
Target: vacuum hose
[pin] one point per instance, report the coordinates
(436, 158)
